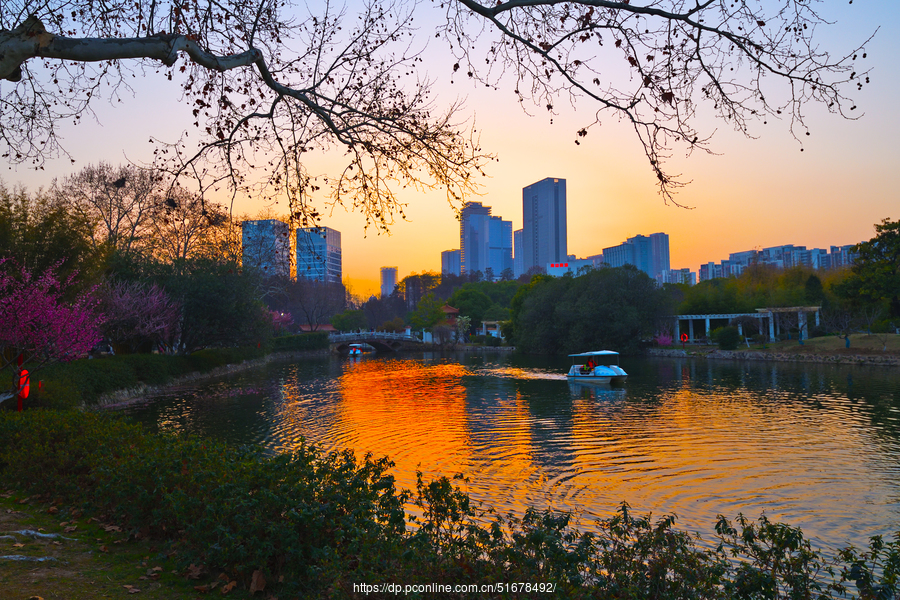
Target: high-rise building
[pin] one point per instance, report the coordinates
(685, 276)
(544, 236)
(266, 246)
(388, 281)
(450, 262)
(500, 246)
(650, 254)
(319, 254)
(485, 241)
(518, 256)
(617, 256)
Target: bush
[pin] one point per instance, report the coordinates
(317, 340)
(727, 338)
(67, 385)
(325, 521)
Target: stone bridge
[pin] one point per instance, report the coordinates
(382, 341)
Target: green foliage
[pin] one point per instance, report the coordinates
(220, 305)
(349, 320)
(471, 302)
(605, 308)
(40, 232)
(428, 313)
(317, 340)
(759, 286)
(727, 338)
(324, 521)
(67, 385)
(876, 270)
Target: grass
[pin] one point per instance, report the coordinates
(860, 343)
(97, 560)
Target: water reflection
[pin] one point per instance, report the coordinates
(815, 445)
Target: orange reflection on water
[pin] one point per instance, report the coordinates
(414, 413)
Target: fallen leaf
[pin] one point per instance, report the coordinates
(52, 510)
(131, 589)
(64, 523)
(202, 588)
(103, 548)
(24, 500)
(257, 582)
(71, 528)
(196, 572)
(18, 545)
(228, 587)
(157, 569)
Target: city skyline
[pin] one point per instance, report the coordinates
(750, 193)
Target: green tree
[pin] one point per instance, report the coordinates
(471, 302)
(605, 308)
(219, 305)
(876, 270)
(349, 320)
(428, 313)
(40, 234)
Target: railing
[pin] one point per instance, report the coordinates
(371, 335)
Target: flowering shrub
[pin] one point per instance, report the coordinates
(139, 315)
(663, 338)
(37, 326)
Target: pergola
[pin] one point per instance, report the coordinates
(760, 314)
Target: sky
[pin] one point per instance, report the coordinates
(752, 193)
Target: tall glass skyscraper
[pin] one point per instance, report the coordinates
(485, 241)
(388, 281)
(451, 263)
(544, 236)
(650, 254)
(266, 246)
(319, 254)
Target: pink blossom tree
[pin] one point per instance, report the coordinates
(139, 314)
(37, 326)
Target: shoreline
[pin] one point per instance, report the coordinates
(881, 360)
(128, 396)
(122, 398)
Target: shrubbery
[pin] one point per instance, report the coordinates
(66, 385)
(323, 522)
(306, 341)
(727, 338)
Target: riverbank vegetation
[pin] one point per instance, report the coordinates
(314, 524)
(609, 308)
(84, 382)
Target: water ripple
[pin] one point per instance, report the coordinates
(815, 445)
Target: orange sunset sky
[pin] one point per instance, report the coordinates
(753, 193)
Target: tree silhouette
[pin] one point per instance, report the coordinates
(267, 81)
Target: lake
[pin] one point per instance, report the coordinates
(816, 446)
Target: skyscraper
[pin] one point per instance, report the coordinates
(265, 245)
(388, 281)
(450, 262)
(319, 254)
(544, 223)
(518, 258)
(650, 253)
(485, 241)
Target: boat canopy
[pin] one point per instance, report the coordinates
(596, 353)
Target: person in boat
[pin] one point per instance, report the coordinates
(589, 366)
